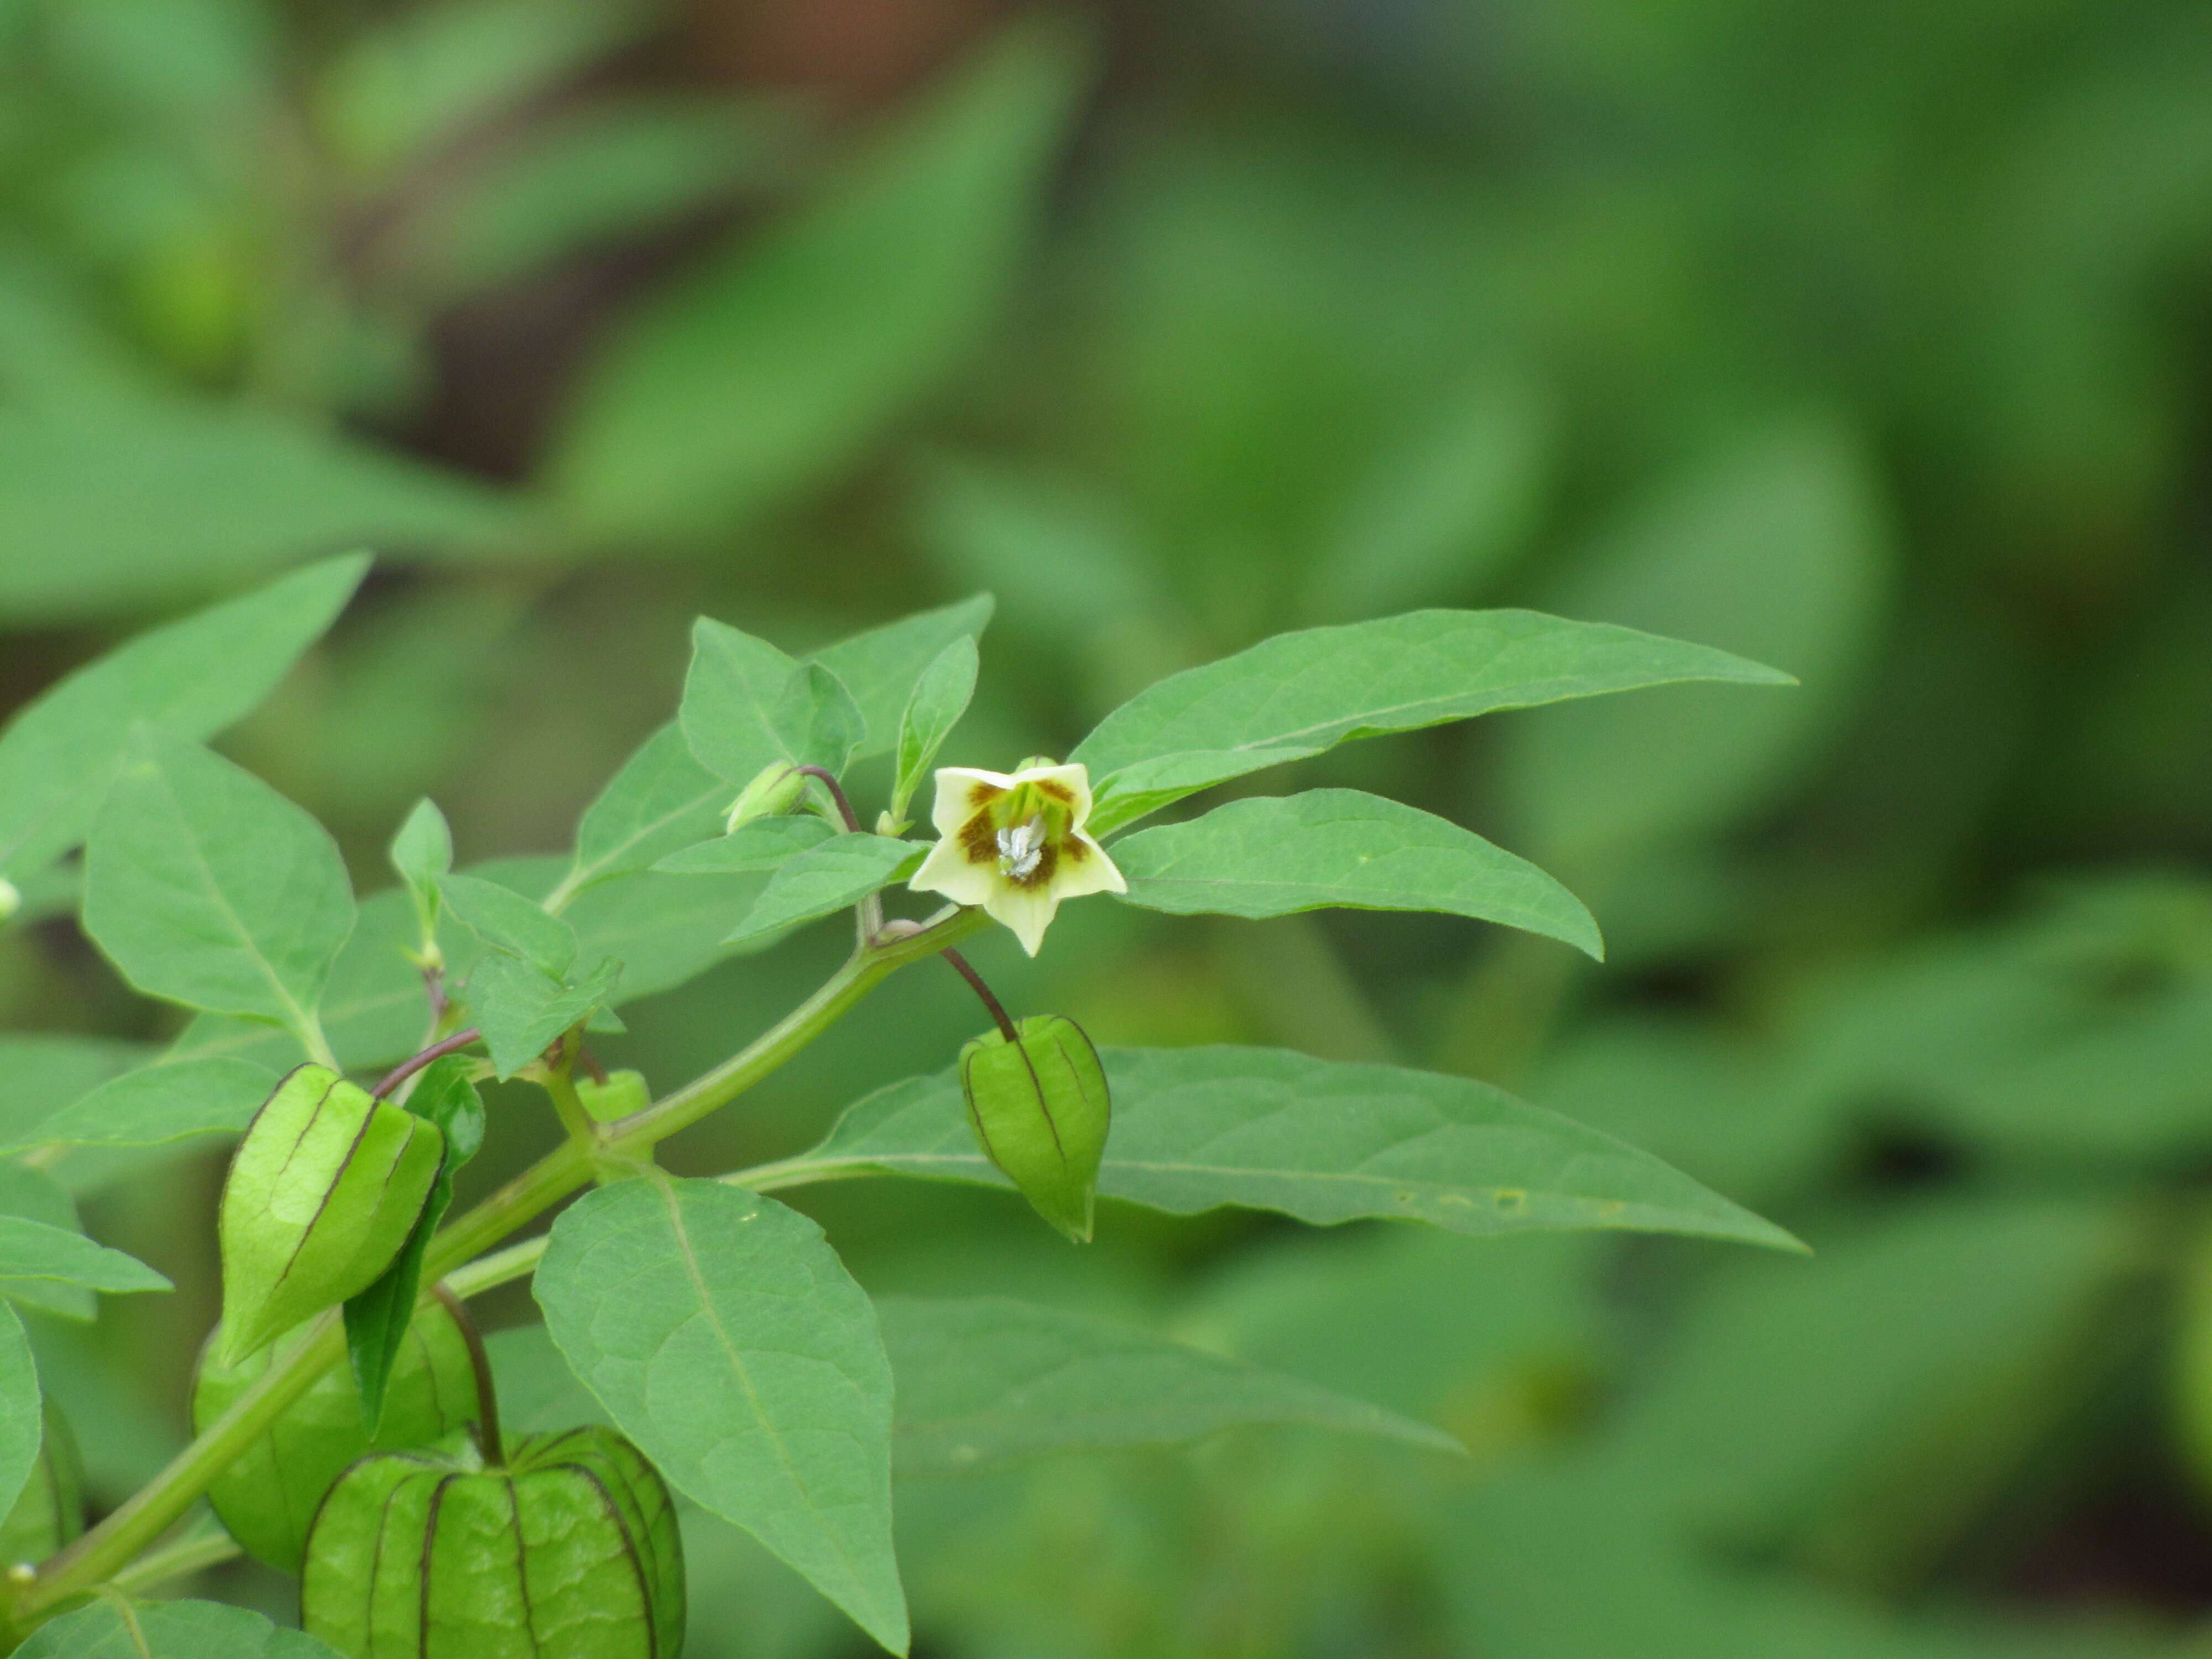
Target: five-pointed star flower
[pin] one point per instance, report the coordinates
(1013, 842)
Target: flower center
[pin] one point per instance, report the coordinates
(1021, 849)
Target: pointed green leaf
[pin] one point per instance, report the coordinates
(1302, 693)
(882, 666)
(35, 1195)
(38, 1250)
(216, 1095)
(723, 1335)
(114, 1628)
(1268, 1129)
(507, 921)
(190, 679)
(1341, 848)
(376, 1319)
(519, 1009)
(763, 844)
(841, 872)
(205, 886)
(747, 705)
(422, 853)
(988, 1380)
(940, 698)
(21, 1416)
(662, 799)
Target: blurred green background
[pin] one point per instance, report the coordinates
(1871, 338)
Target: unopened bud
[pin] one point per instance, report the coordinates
(432, 1555)
(321, 1194)
(622, 1093)
(1039, 1110)
(778, 789)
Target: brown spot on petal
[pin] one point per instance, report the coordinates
(1047, 862)
(1054, 787)
(1074, 851)
(979, 836)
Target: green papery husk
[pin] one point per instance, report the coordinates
(321, 1194)
(570, 1552)
(268, 1497)
(1040, 1111)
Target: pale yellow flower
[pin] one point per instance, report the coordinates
(1013, 843)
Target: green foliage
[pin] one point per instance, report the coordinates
(829, 876)
(119, 1629)
(1194, 1128)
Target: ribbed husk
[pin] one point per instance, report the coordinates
(1040, 1111)
(570, 1552)
(320, 1196)
(267, 1498)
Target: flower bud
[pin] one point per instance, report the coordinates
(570, 1549)
(50, 1511)
(622, 1093)
(779, 789)
(1039, 1110)
(321, 1195)
(268, 1497)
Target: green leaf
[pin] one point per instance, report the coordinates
(135, 494)
(422, 853)
(190, 679)
(35, 1195)
(988, 1380)
(1273, 855)
(761, 845)
(663, 929)
(746, 705)
(507, 921)
(1265, 1128)
(205, 886)
(940, 698)
(519, 1009)
(882, 666)
(1782, 551)
(116, 1629)
(724, 1336)
(21, 1418)
(773, 366)
(662, 799)
(841, 872)
(38, 1250)
(1300, 694)
(156, 1104)
(376, 1319)
(41, 1072)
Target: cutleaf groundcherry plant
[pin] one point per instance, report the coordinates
(709, 1341)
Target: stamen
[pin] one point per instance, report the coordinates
(1021, 849)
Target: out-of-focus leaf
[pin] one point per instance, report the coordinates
(882, 666)
(38, 1250)
(724, 1336)
(21, 1424)
(769, 368)
(605, 172)
(41, 1073)
(840, 871)
(1781, 552)
(136, 495)
(987, 1380)
(1197, 1128)
(157, 1103)
(1059, 559)
(190, 679)
(1442, 509)
(207, 887)
(422, 76)
(1302, 693)
(169, 1630)
(1273, 855)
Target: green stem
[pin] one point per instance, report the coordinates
(560, 1082)
(189, 1554)
(109, 1548)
